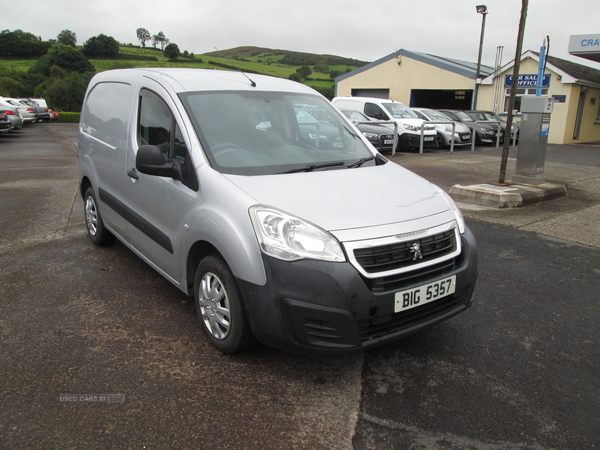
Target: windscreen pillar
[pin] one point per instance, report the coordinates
(533, 139)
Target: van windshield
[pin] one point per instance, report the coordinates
(259, 133)
(400, 111)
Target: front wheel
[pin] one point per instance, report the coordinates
(220, 306)
(439, 140)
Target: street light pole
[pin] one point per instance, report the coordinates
(481, 9)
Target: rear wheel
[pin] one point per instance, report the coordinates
(220, 306)
(93, 220)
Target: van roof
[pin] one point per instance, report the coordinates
(367, 99)
(190, 80)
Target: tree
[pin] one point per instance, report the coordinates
(9, 87)
(67, 37)
(171, 52)
(101, 45)
(304, 71)
(143, 36)
(22, 44)
(296, 77)
(160, 39)
(321, 66)
(63, 56)
(66, 93)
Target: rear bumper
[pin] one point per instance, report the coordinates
(320, 307)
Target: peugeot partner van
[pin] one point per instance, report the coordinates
(409, 124)
(292, 232)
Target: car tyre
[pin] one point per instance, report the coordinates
(220, 306)
(93, 220)
(439, 139)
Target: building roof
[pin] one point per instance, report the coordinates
(579, 71)
(571, 72)
(464, 68)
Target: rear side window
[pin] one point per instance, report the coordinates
(106, 112)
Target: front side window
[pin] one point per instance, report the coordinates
(259, 133)
(157, 126)
(374, 111)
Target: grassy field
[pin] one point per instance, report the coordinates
(249, 59)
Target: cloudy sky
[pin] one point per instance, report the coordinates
(365, 30)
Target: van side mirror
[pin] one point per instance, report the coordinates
(150, 160)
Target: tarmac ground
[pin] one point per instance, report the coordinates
(575, 217)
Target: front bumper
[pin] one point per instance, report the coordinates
(410, 141)
(322, 307)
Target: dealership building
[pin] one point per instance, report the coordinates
(428, 81)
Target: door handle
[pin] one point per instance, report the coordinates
(133, 174)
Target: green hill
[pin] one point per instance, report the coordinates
(278, 63)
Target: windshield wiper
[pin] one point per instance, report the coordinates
(312, 167)
(360, 162)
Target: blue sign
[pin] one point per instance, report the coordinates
(527, 80)
(559, 98)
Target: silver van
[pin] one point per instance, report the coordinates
(288, 228)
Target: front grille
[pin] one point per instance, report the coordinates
(399, 255)
(414, 277)
(406, 319)
(386, 137)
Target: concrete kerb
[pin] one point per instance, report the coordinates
(510, 195)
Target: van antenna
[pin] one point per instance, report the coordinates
(252, 83)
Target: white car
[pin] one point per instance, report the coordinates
(462, 133)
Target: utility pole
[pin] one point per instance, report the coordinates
(513, 91)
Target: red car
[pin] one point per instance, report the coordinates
(53, 115)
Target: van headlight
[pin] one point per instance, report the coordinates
(460, 220)
(290, 238)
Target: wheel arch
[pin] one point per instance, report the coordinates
(198, 251)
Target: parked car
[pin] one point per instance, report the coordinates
(409, 124)
(42, 112)
(53, 115)
(28, 113)
(381, 136)
(316, 128)
(4, 123)
(462, 133)
(485, 133)
(490, 115)
(208, 177)
(13, 114)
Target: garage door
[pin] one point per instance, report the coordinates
(376, 93)
(441, 99)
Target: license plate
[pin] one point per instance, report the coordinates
(388, 141)
(430, 138)
(466, 137)
(418, 296)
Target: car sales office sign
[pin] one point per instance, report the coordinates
(527, 81)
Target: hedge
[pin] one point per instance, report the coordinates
(68, 117)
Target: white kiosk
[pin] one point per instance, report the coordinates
(533, 138)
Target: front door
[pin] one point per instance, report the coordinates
(156, 205)
(579, 115)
